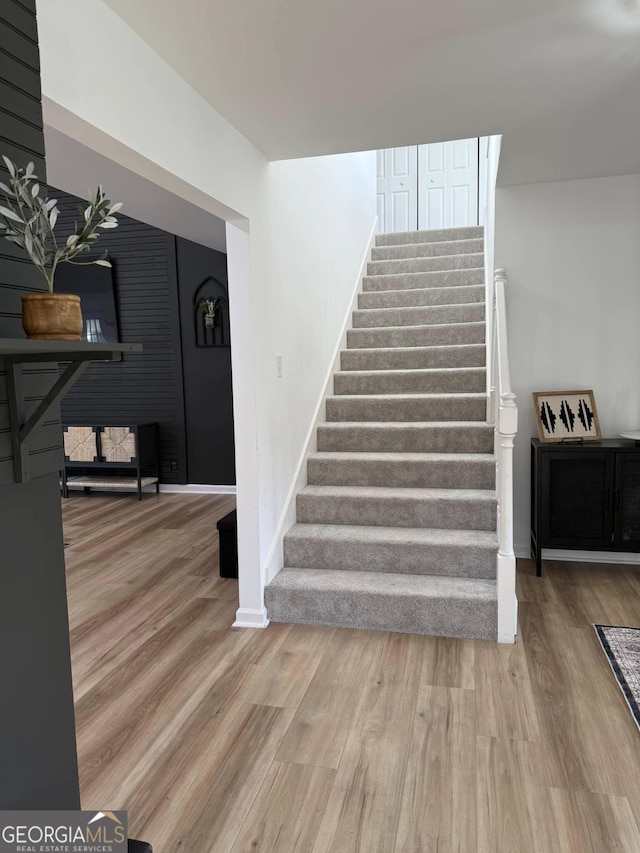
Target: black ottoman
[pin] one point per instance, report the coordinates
(228, 535)
(139, 847)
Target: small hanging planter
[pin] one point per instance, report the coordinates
(208, 307)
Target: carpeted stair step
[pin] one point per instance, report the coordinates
(443, 262)
(403, 238)
(410, 604)
(422, 296)
(385, 506)
(416, 336)
(427, 250)
(411, 470)
(407, 407)
(421, 315)
(403, 437)
(413, 358)
(409, 550)
(454, 380)
(419, 280)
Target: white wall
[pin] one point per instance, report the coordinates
(309, 223)
(572, 254)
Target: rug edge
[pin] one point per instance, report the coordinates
(632, 704)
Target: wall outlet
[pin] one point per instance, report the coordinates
(173, 464)
(279, 366)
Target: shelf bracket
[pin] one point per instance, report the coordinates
(21, 427)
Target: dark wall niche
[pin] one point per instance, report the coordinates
(186, 389)
(38, 765)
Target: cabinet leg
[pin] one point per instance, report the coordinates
(539, 562)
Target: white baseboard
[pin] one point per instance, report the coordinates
(275, 558)
(251, 618)
(195, 489)
(524, 551)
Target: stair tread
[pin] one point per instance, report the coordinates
(414, 395)
(414, 371)
(354, 455)
(399, 535)
(400, 492)
(396, 425)
(413, 349)
(409, 308)
(428, 242)
(452, 287)
(466, 324)
(476, 256)
(396, 583)
(430, 257)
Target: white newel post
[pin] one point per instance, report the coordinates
(505, 414)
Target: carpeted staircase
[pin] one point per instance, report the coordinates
(397, 528)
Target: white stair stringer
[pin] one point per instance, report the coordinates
(397, 527)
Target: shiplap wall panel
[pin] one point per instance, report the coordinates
(22, 139)
(144, 386)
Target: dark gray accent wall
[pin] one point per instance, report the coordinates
(208, 397)
(38, 764)
(144, 386)
(186, 389)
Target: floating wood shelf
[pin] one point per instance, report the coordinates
(15, 352)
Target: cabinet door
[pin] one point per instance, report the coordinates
(627, 502)
(577, 487)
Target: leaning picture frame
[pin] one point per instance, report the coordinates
(566, 416)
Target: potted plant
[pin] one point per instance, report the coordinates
(209, 307)
(28, 220)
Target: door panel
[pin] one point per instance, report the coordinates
(397, 189)
(627, 502)
(453, 168)
(580, 489)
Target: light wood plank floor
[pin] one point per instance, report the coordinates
(315, 740)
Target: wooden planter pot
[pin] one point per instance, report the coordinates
(52, 316)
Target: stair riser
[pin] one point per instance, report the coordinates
(426, 250)
(457, 474)
(374, 612)
(413, 358)
(449, 514)
(405, 439)
(398, 557)
(445, 262)
(419, 297)
(417, 281)
(416, 336)
(442, 409)
(418, 316)
(471, 381)
(471, 232)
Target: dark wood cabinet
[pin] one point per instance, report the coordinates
(585, 497)
(112, 457)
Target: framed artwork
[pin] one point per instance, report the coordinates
(566, 416)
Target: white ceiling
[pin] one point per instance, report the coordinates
(558, 78)
(76, 169)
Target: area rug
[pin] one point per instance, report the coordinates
(622, 648)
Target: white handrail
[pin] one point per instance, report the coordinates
(503, 414)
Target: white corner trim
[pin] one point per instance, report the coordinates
(275, 557)
(251, 618)
(195, 489)
(622, 559)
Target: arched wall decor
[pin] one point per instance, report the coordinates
(205, 334)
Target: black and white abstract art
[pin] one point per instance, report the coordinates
(566, 416)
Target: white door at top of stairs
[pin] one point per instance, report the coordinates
(428, 186)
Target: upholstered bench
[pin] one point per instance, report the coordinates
(228, 536)
(139, 846)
